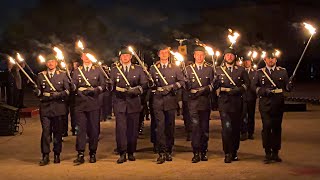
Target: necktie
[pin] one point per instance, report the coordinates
(271, 71)
(230, 69)
(164, 66)
(126, 70)
(51, 75)
(199, 68)
(87, 69)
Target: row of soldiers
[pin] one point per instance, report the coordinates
(128, 82)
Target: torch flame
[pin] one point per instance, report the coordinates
(131, 49)
(63, 64)
(42, 59)
(80, 45)
(277, 53)
(254, 54)
(218, 53)
(255, 66)
(91, 57)
(100, 63)
(178, 56)
(249, 53)
(19, 57)
(59, 53)
(11, 60)
(310, 28)
(263, 55)
(209, 50)
(233, 38)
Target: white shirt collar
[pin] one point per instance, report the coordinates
(85, 67)
(52, 72)
(271, 68)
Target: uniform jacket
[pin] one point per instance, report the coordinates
(55, 107)
(206, 75)
(250, 95)
(173, 76)
(96, 79)
(122, 102)
(226, 101)
(274, 102)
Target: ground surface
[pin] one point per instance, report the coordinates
(300, 151)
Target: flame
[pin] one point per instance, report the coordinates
(249, 53)
(277, 53)
(178, 56)
(209, 50)
(178, 63)
(100, 63)
(254, 54)
(42, 59)
(131, 50)
(11, 60)
(255, 66)
(233, 38)
(91, 57)
(240, 62)
(63, 64)
(59, 53)
(80, 45)
(263, 55)
(19, 57)
(218, 53)
(310, 28)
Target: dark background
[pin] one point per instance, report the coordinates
(34, 26)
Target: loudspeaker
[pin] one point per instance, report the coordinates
(9, 120)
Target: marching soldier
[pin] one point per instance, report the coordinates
(168, 79)
(53, 88)
(270, 83)
(89, 82)
(129, 83)
(232, 81)
(247, 129)
(200, 76)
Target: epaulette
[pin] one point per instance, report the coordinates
(206, 64)
(169, 65)
(236, 67)
(280, 68)
(133, 66)
(43, 72)
(81, 67)
(58, 71)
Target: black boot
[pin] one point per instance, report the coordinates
(155, 149)
(228, 158)
(93, 158)
(80, 158)
(268, 158)
(56, 158)
(161, 159)
(235, 156)
(196, 157)
(131, 157)
(204, 156)
(168, 156)
(122, 158)
(45, 160)
(275, 156)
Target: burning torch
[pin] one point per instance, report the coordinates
(13, 61)
(21, 59)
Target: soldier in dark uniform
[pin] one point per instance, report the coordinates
(72, 96)
(129, 83)
(200, 77)
(270, 82)
(247, 129)
(89, 83)
(168, 79)
(232, 81)
(11, 85)
(52, 89)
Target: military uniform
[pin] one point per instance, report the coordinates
(271, 105)
(200, 106)
(89, 83)
(230, 103)
(247, 128)
(52, 108)
(165, 104)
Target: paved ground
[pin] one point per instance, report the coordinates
(301, 133)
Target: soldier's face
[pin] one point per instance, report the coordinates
(247, 64)
(199, 56)
(125, 58)
(85, 59)
(164, 54)
(270, 61)
(75, 65)
(229, 58)
(51, 64)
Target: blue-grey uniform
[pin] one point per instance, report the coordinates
(271, 104)
(54, 89)
(127, 104)
(230, 104)
(250, 97)
(199, 104)
(89, 83)
(165, 103)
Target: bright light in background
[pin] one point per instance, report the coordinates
(11, 60)
(59, 54)
(41, 59)
(310, 28)
(80, 45)
(91, 57)
(19, 57)
(209, 50)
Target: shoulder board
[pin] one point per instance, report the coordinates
(236, 67)
(43, 72)
(206, 64)
(280, 68)
(133, 66)
(58, 71)
(81, 67)
(158, 65)
(170, 65)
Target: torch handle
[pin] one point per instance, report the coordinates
(25, 73)
(29, 68)
(143, 67)
(301, 57)
(104, 73)
(213, 64)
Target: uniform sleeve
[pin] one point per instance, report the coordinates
(180, 79)
(256, 86)
(143, 80)
(74, 78)
(246, 81)
(102, 82)
(288, 86)
(66, 86)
